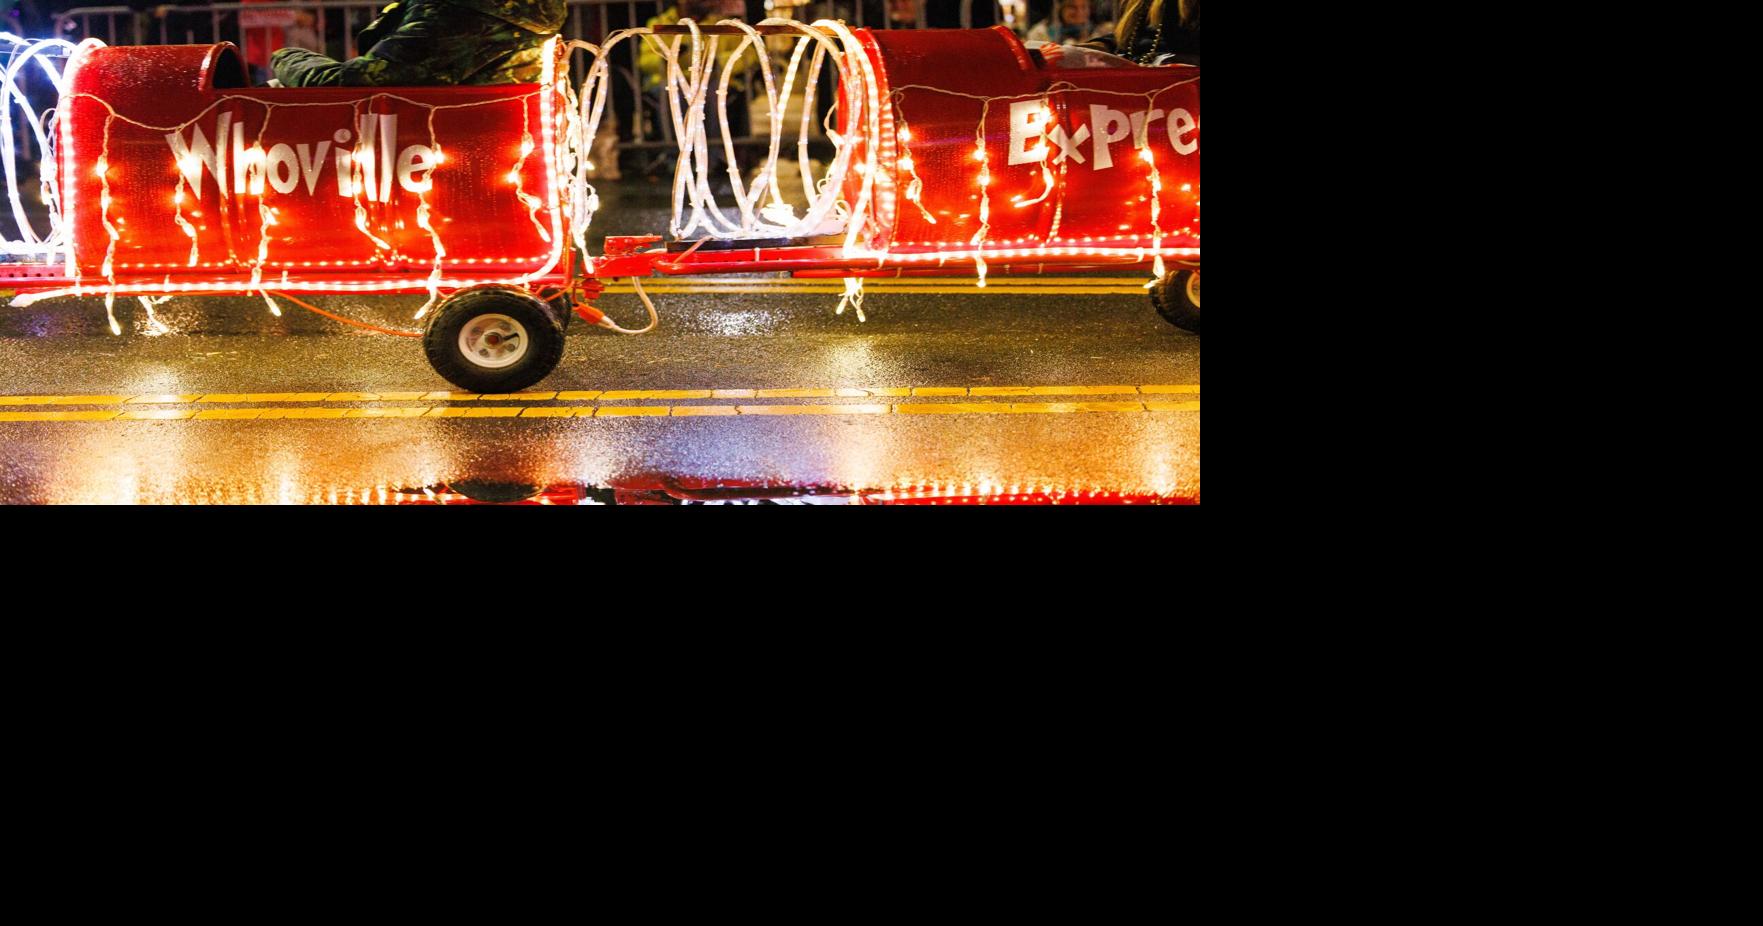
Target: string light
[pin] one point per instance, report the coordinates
(155, 327)
(422, 218)
(873, 136)
(1043, 149)
(257, 162)
(532, 203)
(355, 182)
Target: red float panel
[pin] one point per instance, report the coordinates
(1062, 146)
(343, 172)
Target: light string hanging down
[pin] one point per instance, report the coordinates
(853, 195)
(253, 170)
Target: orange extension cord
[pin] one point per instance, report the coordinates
(569, 274)
(347, 321)
(581, 292)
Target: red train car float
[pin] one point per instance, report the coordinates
(955, 152)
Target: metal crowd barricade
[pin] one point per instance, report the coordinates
(116, 25)
(337, 21)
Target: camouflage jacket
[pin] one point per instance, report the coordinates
(425, 42)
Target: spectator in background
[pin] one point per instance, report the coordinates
(1069, 23)
(1147, 32)
(938, 14)
(1155, 32)
(947, 14)
(872, 14)
(30, 17)
(304, 32)
(263, 37)
(653, 67)
(702, 12)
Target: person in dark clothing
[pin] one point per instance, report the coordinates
(1147, 32)
(904, 14)
(425, 42)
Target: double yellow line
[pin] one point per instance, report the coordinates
(331, 405)
(999, 285)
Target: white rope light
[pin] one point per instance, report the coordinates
(22, 53)
(760, 209)
(360, 172)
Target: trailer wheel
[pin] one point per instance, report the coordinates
(1177, 298)
(494, 493)
(563, 309)
(493, 339)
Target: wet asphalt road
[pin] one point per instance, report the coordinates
(1107, 399)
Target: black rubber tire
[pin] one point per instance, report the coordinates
(564, 309)
(494, 493)
(544, 331)
(1170, 296)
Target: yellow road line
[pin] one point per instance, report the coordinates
(663, 288)
(795, 394)
(157, 414)
(498, 411)
(1058, 407)
(413, 412)
(271, 413)
(991, 289)
(812, 409)
(62, 399)
(1041, 390)
(955, 408)
(58, 416)
(604, 411)
(907, 282)
(1082, 390)
(230, 397)
(1006, 279)
(655, 394)
(843, 392)
(373, 397)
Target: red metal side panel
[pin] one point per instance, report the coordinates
(943, 83)
(313, 156)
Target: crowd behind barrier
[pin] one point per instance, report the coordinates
(259, 27)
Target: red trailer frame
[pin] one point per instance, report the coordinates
(959, 151)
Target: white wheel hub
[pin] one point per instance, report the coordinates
(1193, 288)
(493, 341)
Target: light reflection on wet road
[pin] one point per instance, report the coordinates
(913, 401)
